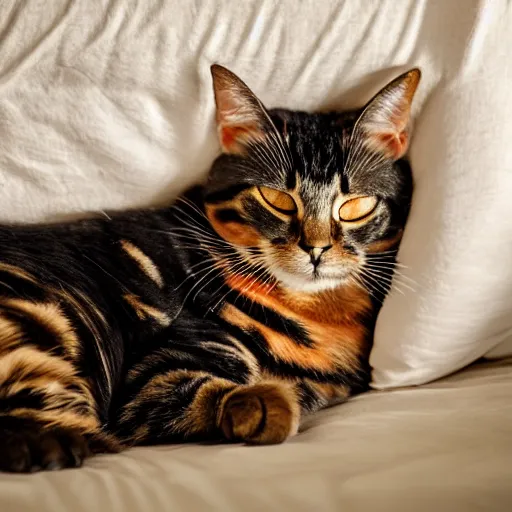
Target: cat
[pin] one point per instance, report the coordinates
(232, 314)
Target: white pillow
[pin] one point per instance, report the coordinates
(458, 242)
(108, 106)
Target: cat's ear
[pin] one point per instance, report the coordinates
(241, 118)
(385, 119)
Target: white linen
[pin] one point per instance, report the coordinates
(108, 105)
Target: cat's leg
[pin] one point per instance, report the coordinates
(314, 396)
(210, 392)
(48, 418)
(48, 415)
(264, 413)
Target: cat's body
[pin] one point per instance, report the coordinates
(204, 320)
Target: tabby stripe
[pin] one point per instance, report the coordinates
(157, 392)
(17, 271)
(39, 319)
(226, 194)
(19, 285)
(144, 311)
(257, 344)
(190, 358)
(27, 398)
(11, 335)
(29, 331)
(145, 263)
(27, 371)
(308, 398)
(173, 407)
(269, 317)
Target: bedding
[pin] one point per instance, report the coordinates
(443, 446)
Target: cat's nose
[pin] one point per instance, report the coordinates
(315, 253)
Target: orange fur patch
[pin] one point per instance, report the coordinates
(233, 232)
(331, 320)
(333, 346)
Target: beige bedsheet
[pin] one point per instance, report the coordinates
(446, 446)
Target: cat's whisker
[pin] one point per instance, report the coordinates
(209, 268)
(383, 253)
(392, 281)
(193, 223)
(385, 262)
(377, 282)
(199, 281)
(396, 274)
(368, 287)
(190, 217)
(195, 235)
(194, 239)
(384, 265)
(193, 206)
(193, 230)
(234, 271)
(193, 275)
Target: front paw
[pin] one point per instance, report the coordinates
(260, 414)
(27, 446)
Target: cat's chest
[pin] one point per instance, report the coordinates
(324, 333)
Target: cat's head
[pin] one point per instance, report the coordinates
(308, 198)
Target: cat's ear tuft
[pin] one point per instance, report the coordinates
(385, 119)
(241, 118)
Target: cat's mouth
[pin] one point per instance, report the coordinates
(315, 281)
(296, 272)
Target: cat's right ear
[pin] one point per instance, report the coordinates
(241, 117)
(385, 120)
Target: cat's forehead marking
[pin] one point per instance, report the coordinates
(318, 196)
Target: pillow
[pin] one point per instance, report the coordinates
(109, 105)
(456, 304)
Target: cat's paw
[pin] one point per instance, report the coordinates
(26, 446)
(260, 414)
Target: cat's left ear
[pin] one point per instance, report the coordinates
(385, 119)
(241, 117)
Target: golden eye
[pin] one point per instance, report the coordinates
(357, 208)
(280, 201)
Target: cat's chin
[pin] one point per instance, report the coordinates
(308, 284)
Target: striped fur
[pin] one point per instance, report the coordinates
(224, 316)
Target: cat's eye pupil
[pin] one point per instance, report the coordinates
(278, 200)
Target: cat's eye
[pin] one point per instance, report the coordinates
(280, 201)
(357, 208)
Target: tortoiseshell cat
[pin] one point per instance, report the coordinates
(230, 315)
